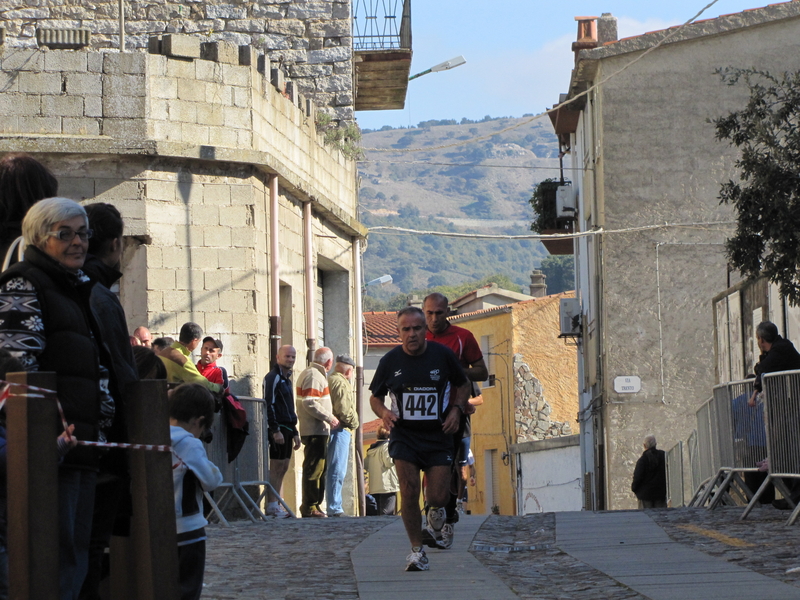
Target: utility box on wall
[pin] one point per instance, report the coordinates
(570, 317)
(567, 202)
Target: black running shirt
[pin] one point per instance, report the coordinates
(419, 386)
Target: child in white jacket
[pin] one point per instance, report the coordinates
(191, 412)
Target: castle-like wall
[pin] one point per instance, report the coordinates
(185, 148)
(309, 39)
(94, 101)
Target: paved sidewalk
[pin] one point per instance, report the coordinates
(685, 554)
(631, 548)
(454, 574)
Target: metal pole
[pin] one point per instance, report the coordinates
(275, 273)
(362, 501)
(311, 305)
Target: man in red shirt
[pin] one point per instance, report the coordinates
(210, 352)
(466, 348)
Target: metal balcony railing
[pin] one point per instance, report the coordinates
(381, 24)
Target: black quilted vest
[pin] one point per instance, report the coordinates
(70, 349)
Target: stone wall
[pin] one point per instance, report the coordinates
(139, 102)
(310, 40)
(185, 148)
(656, 160)
(532, 413)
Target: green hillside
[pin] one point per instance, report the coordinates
(480, 186)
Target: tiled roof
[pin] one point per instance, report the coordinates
(700, 28)
(380, 328)
(509, 307)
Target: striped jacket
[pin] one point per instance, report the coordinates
(313, 399)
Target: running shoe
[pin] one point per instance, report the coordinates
(434, 522)
(448, 532)
(278, 512)
(417, 561)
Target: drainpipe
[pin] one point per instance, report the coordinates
(122, 25)
(359, 327)
(274, 274)
(311, 292)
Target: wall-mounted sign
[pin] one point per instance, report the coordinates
(627, 384)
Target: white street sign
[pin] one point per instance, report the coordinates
(627, 384)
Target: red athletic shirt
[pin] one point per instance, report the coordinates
(461, 342)
(212, 372)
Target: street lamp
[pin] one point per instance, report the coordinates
(381, 281)
(446, 65)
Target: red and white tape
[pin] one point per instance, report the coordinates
(5, 392)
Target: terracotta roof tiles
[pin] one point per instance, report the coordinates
(381, 328)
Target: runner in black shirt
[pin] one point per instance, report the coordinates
(428, 391)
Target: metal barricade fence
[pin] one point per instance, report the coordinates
(675, 475)
(249, 468)
(782, 414)
(747, 426)
(722, 429)
(781, 402)
(731, 440)
(706, 467)
(694, 460)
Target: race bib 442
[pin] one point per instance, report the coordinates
(421, 404)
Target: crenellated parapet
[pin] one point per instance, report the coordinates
(309, 40)
(185, 99)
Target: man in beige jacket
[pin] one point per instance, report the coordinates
(315, 415)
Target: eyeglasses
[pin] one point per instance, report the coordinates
(67, 235)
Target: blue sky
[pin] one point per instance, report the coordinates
(518, 52)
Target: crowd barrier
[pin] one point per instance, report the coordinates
(675, 475)
(694, 460)
(731, 441)
(782, 420)
(248, 471)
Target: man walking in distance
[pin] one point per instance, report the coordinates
(282, 423)
(650, 476)
(316, 419)
(428, 392)
(344, 409)
(469, 355)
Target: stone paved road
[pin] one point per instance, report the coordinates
(304, 558)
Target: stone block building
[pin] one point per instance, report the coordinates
(238, 217)
(310, 40)
(637, 122)
(530, 396)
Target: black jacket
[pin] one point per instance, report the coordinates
(70, 348)
(280, 401)
(782, 356)
(650, 476)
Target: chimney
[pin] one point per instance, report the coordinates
(538, 285)
(414, 300)
(587, 35)
(606, 29)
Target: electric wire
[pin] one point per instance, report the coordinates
(571, 100)
(391, 230)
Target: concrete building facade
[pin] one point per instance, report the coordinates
(236, 213)
(648, 172)
(530, 396)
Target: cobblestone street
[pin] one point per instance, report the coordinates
(304, 558)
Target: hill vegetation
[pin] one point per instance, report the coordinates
(434, 178)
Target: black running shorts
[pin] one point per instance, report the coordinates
(281, 451)
(424, 449)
